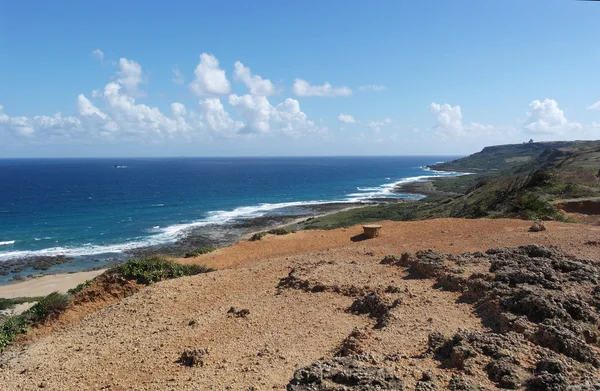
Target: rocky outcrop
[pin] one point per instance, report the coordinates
(344, 374)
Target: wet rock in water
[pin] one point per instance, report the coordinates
(376, 306)
(537, 226)
(193, 357)
(344, 374)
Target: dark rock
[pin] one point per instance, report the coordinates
(193, 357)
(504, 372)
(344, 374)
(376, 306)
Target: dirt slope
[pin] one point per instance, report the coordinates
(298, 289)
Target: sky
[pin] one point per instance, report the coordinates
(294, 78)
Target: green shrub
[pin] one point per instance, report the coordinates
(199, 251)
(10, 303)
(79, 287)
(153, 269)
(280, 231)
(258, 236)
(49, 306)
(10, 328)
(533, 207)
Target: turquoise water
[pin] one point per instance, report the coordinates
(102, 207)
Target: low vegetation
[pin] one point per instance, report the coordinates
(46, 308)
(80, 287)
(274, 231)
(514, 181)
(6, 304)
(258, 236)
(199, 251)
(155, 268)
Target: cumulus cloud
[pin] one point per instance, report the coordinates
(56, 125)
(210, 78)
(177, 76)
(595, 106)
(99, 54)
(372, 87)
(178, 110)
(346, 118)
(262, 117)
(217, 119)
(114, 113)
(129, 76)
(546, 117)
(377, 125)
(449, 121)
(303, 88)
(256, 84)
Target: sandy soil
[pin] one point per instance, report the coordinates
(45, 285)
(134, 344)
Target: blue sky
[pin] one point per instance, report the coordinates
(445, 77)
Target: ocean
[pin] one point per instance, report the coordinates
(98, 208)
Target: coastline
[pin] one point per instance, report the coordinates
(42, 285)
(47, 284)
(219, 234)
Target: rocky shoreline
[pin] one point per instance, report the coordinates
(218, 236)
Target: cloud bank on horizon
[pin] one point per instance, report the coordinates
(114, 113)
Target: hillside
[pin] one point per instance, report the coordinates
(529, 181)
(292, 311)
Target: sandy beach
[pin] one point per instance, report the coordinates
(45, 285)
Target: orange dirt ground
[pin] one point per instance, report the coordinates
(134, 344)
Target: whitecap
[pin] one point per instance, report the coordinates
(6, 243)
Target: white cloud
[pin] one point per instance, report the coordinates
(217, 118)
(449, 122)
(99, 54)
(262, 117)
(303, 88)
(210, 78)
(129, 76)
(546, 117)
(87, 108)
(178, 110)
(256, 84)
(346, 118)
(42, 125)
(377, 125)
(177, 76)
(595, 106)
(372, 87)
(449, 118)
(140, 119)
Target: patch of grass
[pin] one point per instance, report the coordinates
(258, 236)
(10, 303)
(199, 251)
(79, 287)
(47, 307)
(154, 269)
(10, 328)
(280, 231)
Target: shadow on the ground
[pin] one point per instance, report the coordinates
(359, 238)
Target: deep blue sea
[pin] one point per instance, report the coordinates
(97, 207)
